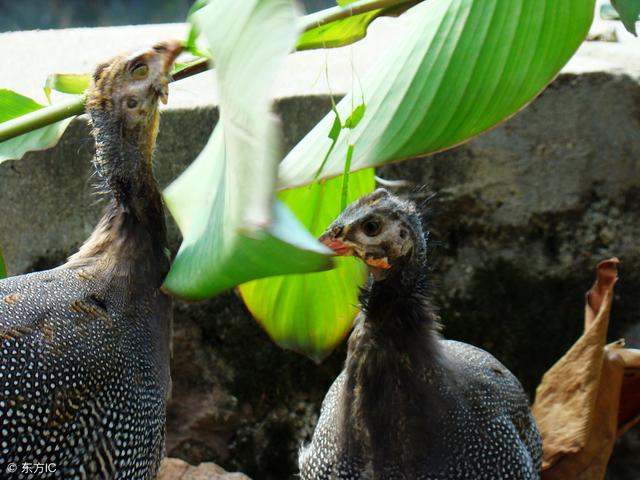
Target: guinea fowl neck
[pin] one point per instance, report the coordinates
(391, 351)
(397, 306)
(398, 322)
(131, 236)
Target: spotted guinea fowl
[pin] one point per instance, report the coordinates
(84, 347)
(409, 404)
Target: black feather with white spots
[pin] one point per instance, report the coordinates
(81, 382)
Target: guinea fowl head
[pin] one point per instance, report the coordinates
(381, 229)
(123, 108)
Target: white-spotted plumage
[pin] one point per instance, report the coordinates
(82, 386)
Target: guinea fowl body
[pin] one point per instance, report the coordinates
(84, 364)
(410, 405)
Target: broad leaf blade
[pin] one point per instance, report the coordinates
(233, 228)
(355, 117)
(628, 11)
(13, 105)
(311, 313)
(461, 67)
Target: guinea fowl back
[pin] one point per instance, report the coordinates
(410, 405)
(84, 370)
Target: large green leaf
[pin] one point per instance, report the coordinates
(13, 105)
(3, 267)
(313, 312)
(629, 11)
(461, 67)
(233, 228)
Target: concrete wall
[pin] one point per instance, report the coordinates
(522, 215)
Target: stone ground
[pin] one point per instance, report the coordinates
(521, 217)
(176, 469)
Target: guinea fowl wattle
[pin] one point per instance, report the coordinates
(84, 369)
(409, 404)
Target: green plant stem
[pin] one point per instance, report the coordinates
(41, 118)
(317, 19)
(59, 111)
(195, 67)
(3, 267)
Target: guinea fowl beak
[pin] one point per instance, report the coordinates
(170, 50)
(331, 240)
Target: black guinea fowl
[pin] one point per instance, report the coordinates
(84, 347)
(410, 405)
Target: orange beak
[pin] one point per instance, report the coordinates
(339, 248)
(342, 250)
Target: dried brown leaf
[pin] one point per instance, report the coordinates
(568, 396)
(590, 396)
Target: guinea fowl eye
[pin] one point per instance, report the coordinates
(140, 71)
(132, 102)
(371, 228)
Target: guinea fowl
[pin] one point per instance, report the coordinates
(409, 404)
(84, 364)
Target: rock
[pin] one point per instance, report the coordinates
(176, 469)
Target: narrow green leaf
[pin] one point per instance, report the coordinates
(75, 83)
(629, 11)
(311, 313)
(233, 228)
(190, 44)
(354, 119)
(3, 266)
(13, 105)
(334, 133)
(194, 31)
(197, 5)
(345, 178)
(461, 67)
